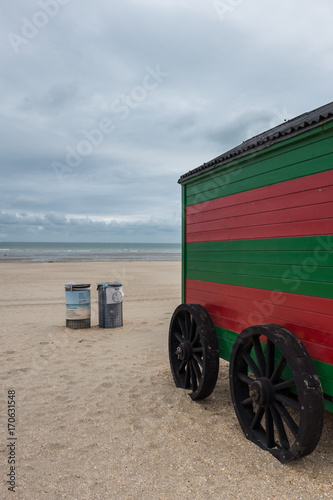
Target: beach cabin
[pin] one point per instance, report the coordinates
(257, 282)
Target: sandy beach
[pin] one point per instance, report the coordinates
(97, 412)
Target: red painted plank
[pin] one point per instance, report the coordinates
(285, 215)
(254, 312)
(283, 230)
(319, 352)
(238, 319)
(301, 207)
(303, 302)
(292, 189)
(235, 308)
(228, 324)
(302, 199)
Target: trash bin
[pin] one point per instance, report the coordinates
(78, 309)
(110, 304)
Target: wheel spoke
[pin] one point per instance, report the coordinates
(280, 428)
(269, 428)
(193, 331)
(285, 400)
(246, 402)
(251, 364)
(270, 358)
(178, 336)
(284, 385)
(193, 378)
(257, 418)
(259, 355)
(196, 338)
(198, 360)
(279, 369)
(181, 323)
(245, 378)
(188, 325)
(182, 367)
(197, 349)
(196, 370)
(293, 427)
(187, 377)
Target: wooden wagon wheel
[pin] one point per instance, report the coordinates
(276, 392)
(193, 350)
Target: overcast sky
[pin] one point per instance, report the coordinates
(105, 104)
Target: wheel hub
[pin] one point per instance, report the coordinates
(262, 392)
(184, 351)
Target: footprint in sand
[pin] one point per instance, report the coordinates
(56, 446)
(107, 385)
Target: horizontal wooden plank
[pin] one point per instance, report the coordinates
(226, 339)
(261, 298)
(291, 284)
(266, 168)
(238, 311)
(273, 217)
(316, 188)
(237, 320)
(308, 259)
(318, 327)
(313, 272)
(312, 213)
(328, 405)
(298, 202)
(268, 160)
(283, 230)
(211, 191)
(313, 244)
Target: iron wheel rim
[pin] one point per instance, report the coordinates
(193, 350)
(276, 392)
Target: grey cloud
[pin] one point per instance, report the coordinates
(53, 228)
(227, 80)
(56, 97)
(236, 129)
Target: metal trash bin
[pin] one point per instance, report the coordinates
(78, 310)
(110, 304)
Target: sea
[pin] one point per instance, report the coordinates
(89, 252)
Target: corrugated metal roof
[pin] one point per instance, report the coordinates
(290, 128)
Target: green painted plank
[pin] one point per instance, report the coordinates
(226, 340)
(304, 243)
(307, 264)
(314, 274)
(324, 369)
(303, 287)
(209, 190)
(300, 258)
(309, 137)
(289, 151)
(270, 160)
(328, 406)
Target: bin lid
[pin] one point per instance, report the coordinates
(77, 286)
(109, 284)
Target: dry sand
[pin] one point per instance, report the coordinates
(98, 415)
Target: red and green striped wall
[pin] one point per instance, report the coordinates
(258, 244)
